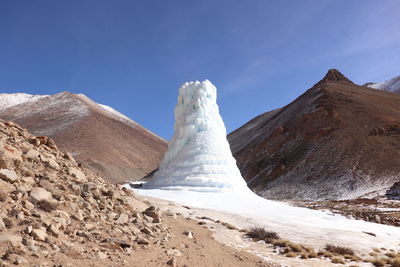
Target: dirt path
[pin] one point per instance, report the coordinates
(201, 250)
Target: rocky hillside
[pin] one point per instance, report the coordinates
(55, 213)
(98, 136)
(338, 140)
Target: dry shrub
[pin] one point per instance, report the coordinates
(47, 205)
(326, 254)
(338, 260)
(295, 247)
(378, 262)
(280, 243)
(395, 262)
(259, 233)
(304, 255)
(391, 255)
(291, 255)
(312, 254)
(352, 257)
(339, 250)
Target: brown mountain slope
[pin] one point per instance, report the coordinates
(114, 146)
(337, 140)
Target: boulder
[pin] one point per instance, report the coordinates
(33, 155)
(134, 204)
(172, 262)
(142, 241)
(39, 194)
(8, 175)
(39, 235)
(9, 242)
(10, 157)
(123, 218)
(154, 213)
(53, 230)
(79, 176)
(53, 164)
(174, 252)
(6, 187)
(2, 225)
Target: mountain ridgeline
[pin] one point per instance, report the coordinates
(336, 141)
(98, 136)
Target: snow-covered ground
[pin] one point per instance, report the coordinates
(310, 227)
(198, 159)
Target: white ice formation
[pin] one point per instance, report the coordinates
(198, 156)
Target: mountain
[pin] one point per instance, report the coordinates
(393, 85)
(100, 137)
(336, 141)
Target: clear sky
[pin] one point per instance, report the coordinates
(133, 55)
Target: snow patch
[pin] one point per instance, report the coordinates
(119, 114)
(310, 227)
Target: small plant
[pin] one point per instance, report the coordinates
(291, 255)
(280, 243)
(339, 250)
(325, 254)
(395, 262)
(295, 247)
(352, 257)
(312, 255)
(259, 233)
(338, 260)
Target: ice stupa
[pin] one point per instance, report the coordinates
(198, 156)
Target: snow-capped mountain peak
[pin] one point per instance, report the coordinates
(10, 100)
(392, 85)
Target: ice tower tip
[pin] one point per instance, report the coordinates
(198, 156)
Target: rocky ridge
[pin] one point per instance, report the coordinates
(53, 212)
(50, 205)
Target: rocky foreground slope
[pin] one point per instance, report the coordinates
(98, 136)
(336, 141)
(55, 213)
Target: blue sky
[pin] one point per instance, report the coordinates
(133, 55)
